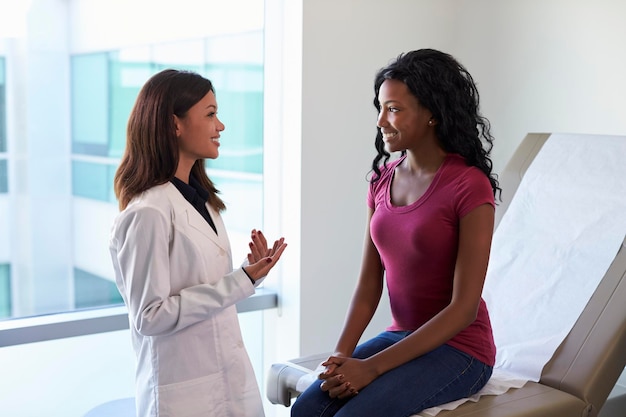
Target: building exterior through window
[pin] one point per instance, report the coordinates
(69, 75)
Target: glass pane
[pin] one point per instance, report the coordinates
(93, 180)
(242, 142)
(126, 79)
(4, 176)
(238, 192)
(183, 55)
(93, 291)
(89, 75)
(5, 290)
(3, 128)
(235, 65)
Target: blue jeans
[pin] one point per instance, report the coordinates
(443, 375)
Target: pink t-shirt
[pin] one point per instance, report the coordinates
(418, 246)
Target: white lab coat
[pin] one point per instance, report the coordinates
(176, 277)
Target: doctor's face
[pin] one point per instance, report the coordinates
(198, 131)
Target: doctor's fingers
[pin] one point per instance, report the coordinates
(258, 247)
(262, 267)
(259, 240)
(256, 253)
(275, 253)
(277, 245)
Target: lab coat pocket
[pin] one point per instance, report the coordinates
(199, 397)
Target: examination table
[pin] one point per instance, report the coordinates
(583, 370)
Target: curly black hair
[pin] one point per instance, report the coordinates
(443, 86)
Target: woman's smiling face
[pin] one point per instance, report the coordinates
(198, 131)
(403, 121)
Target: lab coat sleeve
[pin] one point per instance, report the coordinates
(141, 257)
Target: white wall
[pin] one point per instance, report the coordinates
(546, 66)
(541, 65)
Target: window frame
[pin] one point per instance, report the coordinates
(46, 327)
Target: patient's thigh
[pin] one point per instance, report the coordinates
(378, 343)
(441, 376)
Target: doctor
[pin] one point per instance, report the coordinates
(172, 258)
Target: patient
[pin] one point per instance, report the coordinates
(429, 229)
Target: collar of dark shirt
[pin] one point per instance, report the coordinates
(197, 196)
(189, 191)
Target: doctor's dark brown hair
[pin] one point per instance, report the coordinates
(151, 154)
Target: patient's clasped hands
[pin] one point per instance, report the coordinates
(344, 376)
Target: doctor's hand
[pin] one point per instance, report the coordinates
(262, 259)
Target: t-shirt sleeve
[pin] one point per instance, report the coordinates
(379, 186)
(370, 196)
(473, 190)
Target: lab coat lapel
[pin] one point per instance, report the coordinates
(196, 221)
(219, 225)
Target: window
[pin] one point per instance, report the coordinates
(5, 269)
(91, 290)
(4, 180)
(5, 291)
(62, 133)
(102, 87)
